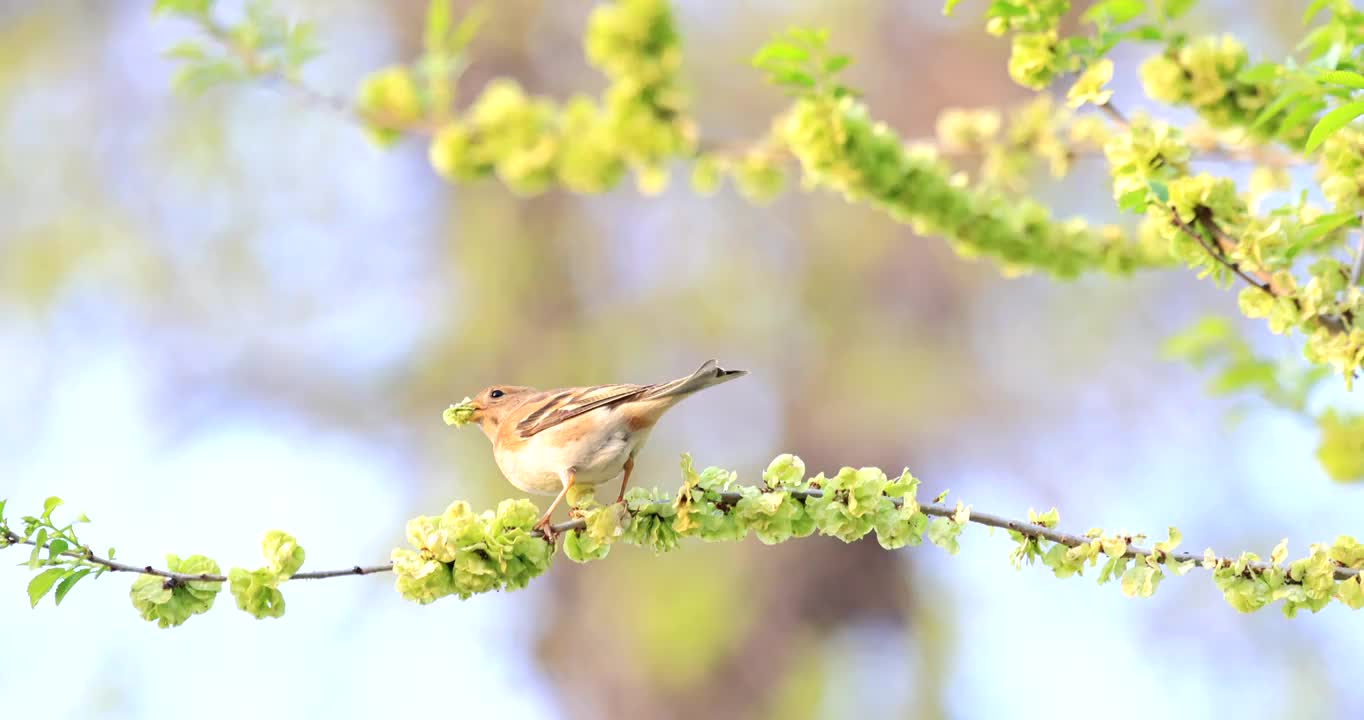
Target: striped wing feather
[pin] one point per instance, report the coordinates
(563, 405)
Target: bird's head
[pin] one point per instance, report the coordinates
(492, 404)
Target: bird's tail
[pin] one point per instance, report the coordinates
(708, 375)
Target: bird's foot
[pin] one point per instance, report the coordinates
(546, 531)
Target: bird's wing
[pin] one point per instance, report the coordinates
(561, 405)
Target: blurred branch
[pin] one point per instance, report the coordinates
(342, 106)
(1358, 269)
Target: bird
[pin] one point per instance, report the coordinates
(548, 441)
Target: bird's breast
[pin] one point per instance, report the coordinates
(597, 448)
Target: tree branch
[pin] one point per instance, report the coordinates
(427, 128)
(1358, 269)
(728, 499)
(1027, 529)
(335, 103)
(1219, 256)
(86, 555)
(1261, 279)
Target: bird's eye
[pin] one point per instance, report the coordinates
(496, 394)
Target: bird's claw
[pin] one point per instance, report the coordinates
(546, 530)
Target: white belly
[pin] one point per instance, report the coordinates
(541, 464)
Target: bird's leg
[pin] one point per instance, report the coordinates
(629, 466)
(542, 524)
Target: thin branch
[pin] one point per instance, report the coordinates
(728, 499)
(1358, 268)
(87, 556)
(1226, 243)
(1216, 254)
(1218, 152)
(335, 103)
(1115, 115)
(425, 127)
(1267, 283)
(1030, 530)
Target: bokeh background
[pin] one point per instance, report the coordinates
(229, 314)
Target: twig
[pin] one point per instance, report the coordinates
(1226, 243)
(1267, 283)
(426, 127)
(337, 104)
(1215, 254)
(86, 555)
(1115, 115)
(1358, 268)
(1217, 152)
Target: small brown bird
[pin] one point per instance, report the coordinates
(547, 441)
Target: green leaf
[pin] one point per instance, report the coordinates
(300, 46)
(172, 606)
(1351, 592)
(1174, 538)
(40, 584)
(468, 28)
(1333, 121)
(150, 589)
(34, 561)
(1279, 553)
(836, 63)
(1160, 190)
(1259, 73)
(1271, 110)
(1146, 33)
(947, 7)
(196, 8)
(1301, 113)
(1340, 449)
(793, 78)
(282, 554)
(1325, 224)
(943, 533)
(187, 50)
(1313, 8)
(255, 592)
(1348, 552)
(1343, 77)
(1141, 580)
(785, 470)
(1002, 9)
(1255, 303)
(437, 26)
(1114, 566)
(49, 505)
(1174, 9)
(55, 549)
(69, 582)
(779, 53)
(2, 510)
(1116, 12)
(195, 78)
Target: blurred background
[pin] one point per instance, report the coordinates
(229, 314)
